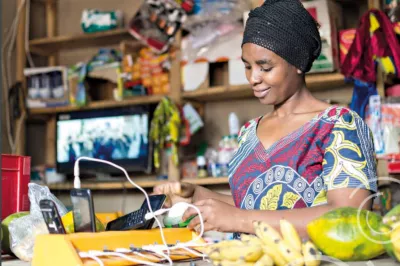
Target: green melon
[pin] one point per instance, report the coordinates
(386, 230)
(339, 234)
(392, 218)
(5, 241)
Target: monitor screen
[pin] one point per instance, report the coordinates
(116, 135)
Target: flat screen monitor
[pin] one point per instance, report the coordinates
(119, 135)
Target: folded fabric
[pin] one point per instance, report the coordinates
(375, 41)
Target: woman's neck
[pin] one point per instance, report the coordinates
(299, 102)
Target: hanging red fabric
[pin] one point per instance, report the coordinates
(360, 61)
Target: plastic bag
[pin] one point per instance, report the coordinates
(24, 230)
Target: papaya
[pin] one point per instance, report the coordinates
(342, 235)
(5, 234)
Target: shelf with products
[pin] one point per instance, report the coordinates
(144, 182)
(137, 100)
(51, 45)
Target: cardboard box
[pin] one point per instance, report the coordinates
(346, 38)
(329, 16)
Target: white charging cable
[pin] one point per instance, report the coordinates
(150, 215)
(77, 184)
(95, 254)
(162, 211)
(91, 256)
(159, 254)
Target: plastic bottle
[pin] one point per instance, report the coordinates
(201, 167)
(233, 124)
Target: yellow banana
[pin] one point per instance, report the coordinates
(276, 256)
(266, 233)
(251, 239)
(216, 262)
(290, 254)
(234, 263)
(249, 253)
(228, 243)
(214, 254)
(270, 237)
(290, 235)
(265, 260)
(312, 256)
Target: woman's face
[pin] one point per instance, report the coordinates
(272, 79)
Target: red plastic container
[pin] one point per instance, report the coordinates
(15, 176)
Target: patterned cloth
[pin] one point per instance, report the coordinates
(333, 150)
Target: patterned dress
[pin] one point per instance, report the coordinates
(333, 150)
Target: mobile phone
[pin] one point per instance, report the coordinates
(51, 216)
(135, 220)
(156, 203)
(83, 210)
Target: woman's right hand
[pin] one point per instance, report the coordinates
(175, 192)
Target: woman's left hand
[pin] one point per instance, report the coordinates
(217, 216)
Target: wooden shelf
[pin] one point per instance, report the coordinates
(98, 105)
(48, 46)
(148, 182)
(315, 82)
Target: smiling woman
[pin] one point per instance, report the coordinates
(300, 160)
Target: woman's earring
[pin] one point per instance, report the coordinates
(299, 72)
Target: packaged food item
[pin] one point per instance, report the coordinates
(94, 20)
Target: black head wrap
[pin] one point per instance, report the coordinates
(286, 28)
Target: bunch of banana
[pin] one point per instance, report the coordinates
(235, 252)
(266, 248)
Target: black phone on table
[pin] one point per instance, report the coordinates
(83, 210)
(135, 220)
(51, 216)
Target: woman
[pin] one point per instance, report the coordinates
(302, 159)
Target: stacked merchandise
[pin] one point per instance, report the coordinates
(147, 74)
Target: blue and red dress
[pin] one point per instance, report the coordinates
(333, 150)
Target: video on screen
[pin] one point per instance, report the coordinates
(107, 138)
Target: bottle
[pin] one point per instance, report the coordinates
(201, 167)
(233, 124)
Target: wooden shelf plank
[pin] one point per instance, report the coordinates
(142, 182)
(315, 82)
(48, 46)
(99, 105)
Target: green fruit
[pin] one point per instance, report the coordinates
(5, 234)
(341, 235)
(385, 231)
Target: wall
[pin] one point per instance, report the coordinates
(8, 11)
